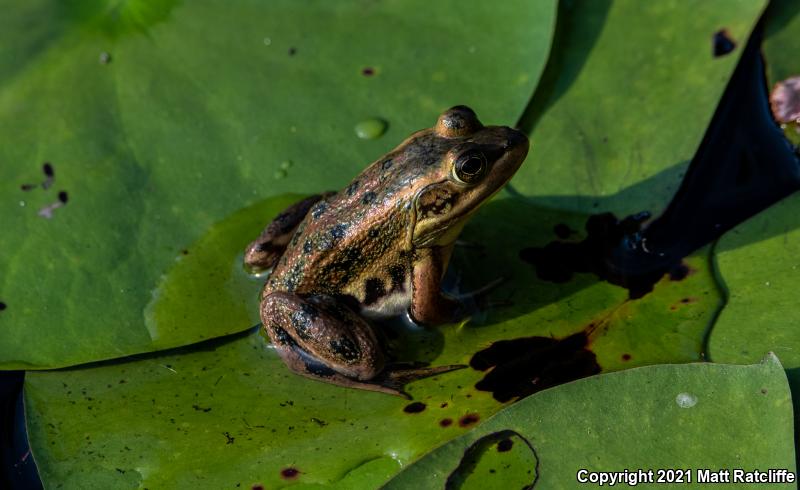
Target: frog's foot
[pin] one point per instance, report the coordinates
(391, 380)
(395, 376)
(456, 307)
(467, 244)
(478, 299)
(483, 290)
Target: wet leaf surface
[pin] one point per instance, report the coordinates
(161, 119)
(603, 423)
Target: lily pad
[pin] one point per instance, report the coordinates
(139, 423)
(759, 269)
(163, 406)
(160, 119)
(650, 418)
(625, 101)
(782, 23)
(758, 264)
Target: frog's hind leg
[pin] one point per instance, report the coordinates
(320, 338)
(317, 336)
(265, 250)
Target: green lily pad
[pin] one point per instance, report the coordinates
(625, 100)
(163, 406)
(650, 418)
(758, 263)
(139, 424)
(160, 119)
(780, 40)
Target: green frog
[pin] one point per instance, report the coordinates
(379, 248)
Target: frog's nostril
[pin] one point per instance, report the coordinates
(513, 138)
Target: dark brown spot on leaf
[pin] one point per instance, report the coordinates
(469, 419)
(626, 357)
(563, 231)
(723, 43)
(368, 71)
(505, 445)
(446, 422)
(415, 407)
(63, 197)
(289, 473)
(530, 364)
(679, 272)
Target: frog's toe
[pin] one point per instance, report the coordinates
(396, 376)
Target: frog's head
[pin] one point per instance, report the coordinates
(476, 161)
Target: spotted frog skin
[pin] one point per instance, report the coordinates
(378, 248)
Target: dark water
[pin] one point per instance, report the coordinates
(17, 469)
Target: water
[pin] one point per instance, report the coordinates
(370, 129)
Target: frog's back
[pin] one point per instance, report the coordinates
(349, 247)
(358, 241)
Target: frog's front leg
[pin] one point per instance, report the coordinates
(265, 250)
(429, 305)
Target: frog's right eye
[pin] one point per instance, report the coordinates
(470, 167)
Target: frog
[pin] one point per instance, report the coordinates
(338, 262)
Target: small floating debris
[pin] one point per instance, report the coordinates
(47, 211)
(49, 178)
(104, 58)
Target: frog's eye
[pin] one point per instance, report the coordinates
(470, 167)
